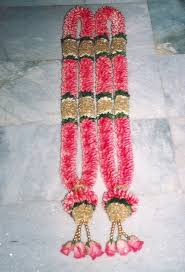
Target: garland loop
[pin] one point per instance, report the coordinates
(113, 120)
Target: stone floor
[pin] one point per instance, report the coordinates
(168, 23)
(33, 224)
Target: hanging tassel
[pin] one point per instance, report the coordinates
(119, 210)
(82, 214)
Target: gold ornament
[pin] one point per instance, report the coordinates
(104, 105)
(82, 214)
(70, 48)
(102, 45)
(118, 45)
(86, 48)
(86, 106)
(118, 212)
(121, 104)
(69, 108)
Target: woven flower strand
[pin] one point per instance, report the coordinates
(113, 123)
(78, 111)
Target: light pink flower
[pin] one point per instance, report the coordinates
(110, 248)
(134, 243)
(94, 249)
(79, 250)
(67, 248)
(122, 247)
(121, 194)
(79, 196)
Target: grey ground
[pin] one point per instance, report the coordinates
(33, 224)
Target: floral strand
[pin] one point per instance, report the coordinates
(113, 117)
(78, 107)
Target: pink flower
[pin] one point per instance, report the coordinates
(94, 249)
(79, 196)
(121, 194)
(134, 243)
(122, 247)
(110, 248)
(79, 250)
(67, 248)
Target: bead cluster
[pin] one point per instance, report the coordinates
(118, 45)
(86, 107)
(118, 212)
(77, 236)
(86, 48)
(69, 109)
(70, 48)
(82, 213)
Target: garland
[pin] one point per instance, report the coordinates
(113, 115)
(78, 110)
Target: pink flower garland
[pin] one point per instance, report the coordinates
(80, 189)
(111, 79)
(78, 83)
(87, 127)
(111, 75)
